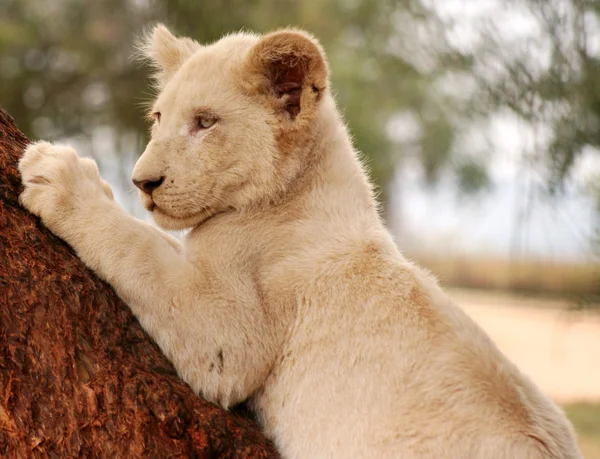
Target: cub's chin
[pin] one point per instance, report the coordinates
(168, 222)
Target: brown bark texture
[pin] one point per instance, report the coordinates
(78, 375)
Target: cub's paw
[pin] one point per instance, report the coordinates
(58, 183)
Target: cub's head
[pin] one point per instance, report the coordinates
(233, 123)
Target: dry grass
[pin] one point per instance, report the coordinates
(555, 278)
(586, 420)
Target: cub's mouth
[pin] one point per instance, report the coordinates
(147, 201)
(167, 219)
(151, 205)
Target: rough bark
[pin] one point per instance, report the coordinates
(78, 375)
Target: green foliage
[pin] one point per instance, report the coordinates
(472, 176)
(553, 81)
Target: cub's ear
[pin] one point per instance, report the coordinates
(290, 66)
(165, 52)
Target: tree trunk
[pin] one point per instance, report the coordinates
(78, 375)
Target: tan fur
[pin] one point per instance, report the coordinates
(288, 291)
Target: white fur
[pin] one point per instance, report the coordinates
(288, 290)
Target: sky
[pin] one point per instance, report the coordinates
(494, 223)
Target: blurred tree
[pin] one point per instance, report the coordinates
(550, 80)
(65, 65)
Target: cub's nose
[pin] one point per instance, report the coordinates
(148, 186)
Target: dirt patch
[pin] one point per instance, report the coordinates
(559, 350)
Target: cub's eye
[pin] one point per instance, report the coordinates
(156, 116)
(204, 122)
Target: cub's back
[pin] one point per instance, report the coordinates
(381, 355)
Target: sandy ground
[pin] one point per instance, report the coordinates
(560, 351)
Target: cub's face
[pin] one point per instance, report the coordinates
(231, 124)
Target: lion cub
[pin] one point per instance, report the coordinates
(288, 291)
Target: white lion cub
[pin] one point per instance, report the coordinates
(288, 291)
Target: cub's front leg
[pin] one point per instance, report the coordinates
(216, 335)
